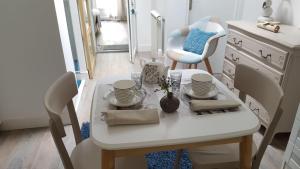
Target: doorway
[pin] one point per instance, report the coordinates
(105, 29)
(113, 35)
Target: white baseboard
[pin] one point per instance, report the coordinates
(23, 123)
(41, 121)
(144, 48)
(31, 122)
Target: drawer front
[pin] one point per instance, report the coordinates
(296, 155)
(229, 83)
(288, 151)
(254, 63)
(297, 141)
(229, 69)
(259, 110)
(293, 164)
(238, 57)
(231, 54)
(267, 53)
(286, 166)
(293, 147)
(295, 134)
(296, 150)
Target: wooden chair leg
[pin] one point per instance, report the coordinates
(190, 66)
(195, 65)
(208, 67)
(178, 157)
(174, 65)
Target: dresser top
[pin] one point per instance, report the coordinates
(288, 36)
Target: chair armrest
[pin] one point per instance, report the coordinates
(211, 45)
(176, 37)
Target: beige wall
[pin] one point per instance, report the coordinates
(286, 11)
(31, 58)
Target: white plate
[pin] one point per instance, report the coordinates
(111, 98)
(188, 91)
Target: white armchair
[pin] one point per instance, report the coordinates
(176, 39)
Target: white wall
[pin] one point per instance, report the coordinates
(64, 34)
(143, 8)
(31, 58)
(286, 11)
(77, 34)
(159, 6)
(174, 11)
(176, 15)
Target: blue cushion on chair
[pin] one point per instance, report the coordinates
(196, 40)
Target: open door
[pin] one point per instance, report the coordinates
(84, 9)
(132, 27)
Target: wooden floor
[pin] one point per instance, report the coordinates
(35, 149)
(113, 33)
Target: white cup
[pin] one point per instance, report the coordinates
(124, 90)
(201, 83)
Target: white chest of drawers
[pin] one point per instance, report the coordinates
(275, 54)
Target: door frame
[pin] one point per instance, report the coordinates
(86, 31)
(132, 52)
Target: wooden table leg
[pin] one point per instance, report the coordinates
(108, 159)
(246, 152)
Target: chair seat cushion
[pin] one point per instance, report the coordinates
(217, 157)
(184, 56)
(196, 40)
(87, 155)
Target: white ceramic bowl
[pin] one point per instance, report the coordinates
(124, 90)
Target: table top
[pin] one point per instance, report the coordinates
(181, 127)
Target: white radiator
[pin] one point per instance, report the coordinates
(157, 34)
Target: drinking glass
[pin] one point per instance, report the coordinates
(137, 78)
(176, 80)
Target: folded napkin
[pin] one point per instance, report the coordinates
(204, 105)
(122, 117)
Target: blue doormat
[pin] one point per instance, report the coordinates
(77, 69)
(76, 65)
(85, 130)
(157, 160)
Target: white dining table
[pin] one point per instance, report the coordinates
(180, 130)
